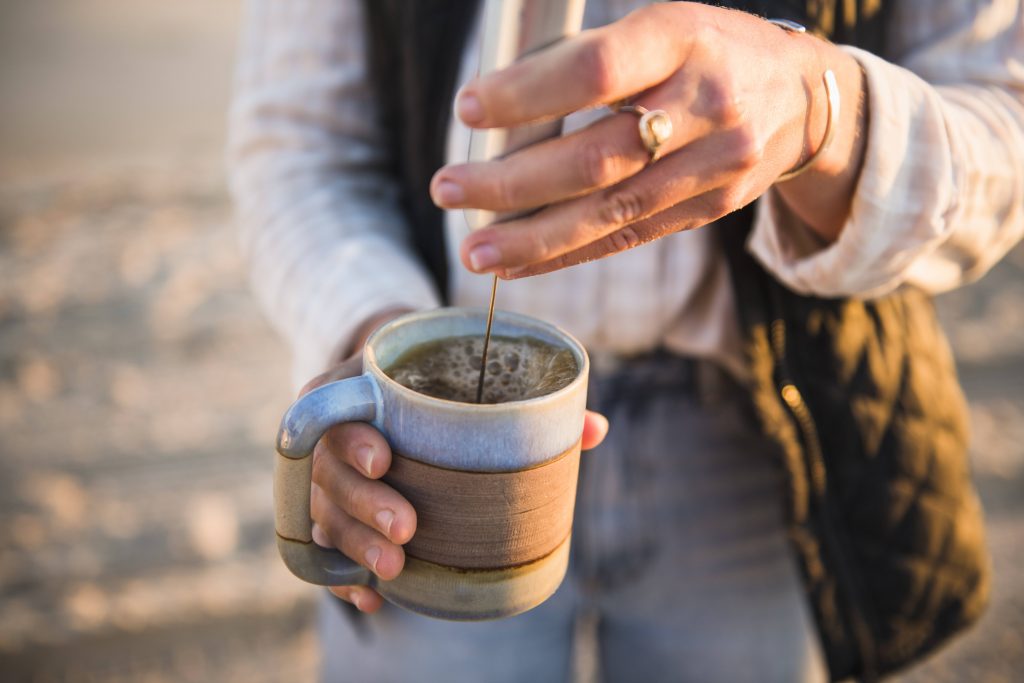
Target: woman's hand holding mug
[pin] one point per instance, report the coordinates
(353, 510)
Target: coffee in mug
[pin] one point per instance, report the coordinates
(518, 368)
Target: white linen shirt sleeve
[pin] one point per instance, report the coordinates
(941, 195)
(318, 213)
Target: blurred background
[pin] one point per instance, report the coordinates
(140, 388)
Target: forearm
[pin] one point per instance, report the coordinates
(321, 270)
(318, 213)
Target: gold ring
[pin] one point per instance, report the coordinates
(655, 127)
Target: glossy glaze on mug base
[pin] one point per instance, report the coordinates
(476, 594)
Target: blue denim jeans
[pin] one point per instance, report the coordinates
(680, 567)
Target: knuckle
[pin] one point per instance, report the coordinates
(747, 149)
(348, 535)
(538, 248)
(621, 206)
(621, 240)
(730, 202)
(597, 67)
(506, 192)
(724, 202)
(738, 196)
(359, 494)
(563, 261)
(350, 543)
(717, 205)
(702, 34)
(556, 263)
(600, 166)
(723, 106)
(650, 13)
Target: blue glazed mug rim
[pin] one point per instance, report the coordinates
(525, 323)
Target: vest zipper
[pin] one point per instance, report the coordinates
(815, 464)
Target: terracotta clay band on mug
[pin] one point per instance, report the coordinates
(501, 519)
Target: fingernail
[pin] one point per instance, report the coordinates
(469, 108)
(385, 518)
(484, 256)
(354, 597)
(372, 556)
(449, 193)
(364, 456)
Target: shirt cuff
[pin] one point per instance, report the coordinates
(898, 213)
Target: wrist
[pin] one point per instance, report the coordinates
(846, 152)
(821, 197)
(825, 137)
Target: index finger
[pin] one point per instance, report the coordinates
(596, 67)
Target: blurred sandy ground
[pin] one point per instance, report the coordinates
(140, 388)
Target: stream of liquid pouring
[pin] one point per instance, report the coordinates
(487, 342)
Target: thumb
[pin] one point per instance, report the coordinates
(595, 428)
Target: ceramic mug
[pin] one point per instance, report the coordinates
(493, 485)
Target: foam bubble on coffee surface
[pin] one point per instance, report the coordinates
(517, 368)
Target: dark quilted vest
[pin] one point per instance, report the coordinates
(860, 398)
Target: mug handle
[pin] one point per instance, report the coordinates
(349, 400)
